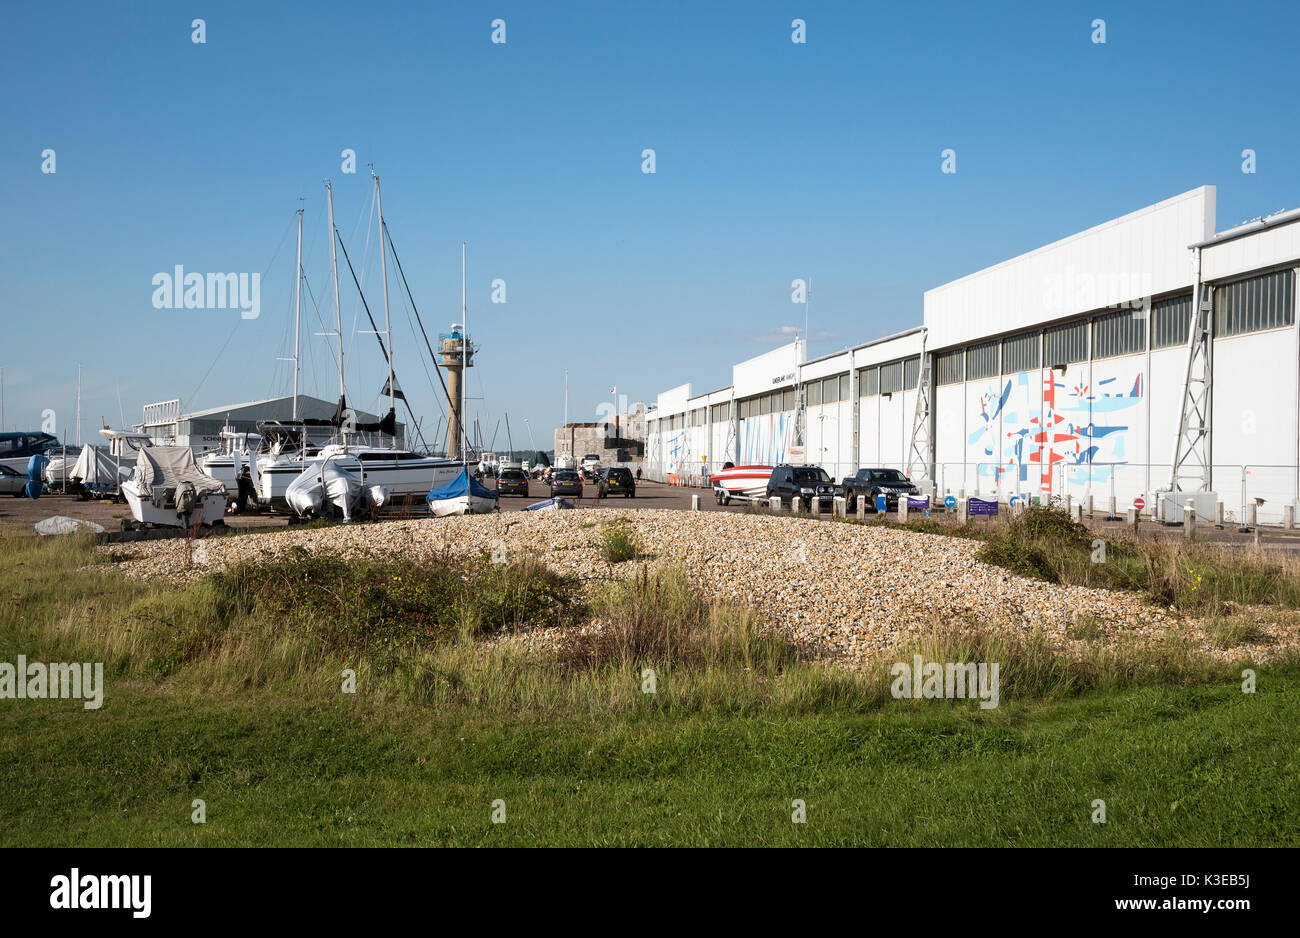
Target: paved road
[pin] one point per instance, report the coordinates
(19, 515)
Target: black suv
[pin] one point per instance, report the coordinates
(512, 482)
(868, 483)
(804, 483)
(617, 480)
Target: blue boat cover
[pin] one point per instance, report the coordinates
(550, 503)
(463, 484)
(35, 466)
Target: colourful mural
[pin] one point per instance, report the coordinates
(1072, 425)
(765, 440)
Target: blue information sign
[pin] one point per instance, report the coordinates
(978, 506)
(949, 502)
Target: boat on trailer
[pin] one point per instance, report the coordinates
(167, 488)
(740, 482)
(463, 495)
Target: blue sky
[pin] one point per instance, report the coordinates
(774, 161)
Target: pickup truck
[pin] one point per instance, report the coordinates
(868, 483)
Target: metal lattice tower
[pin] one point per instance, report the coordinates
(921, 448)
(1191, 468)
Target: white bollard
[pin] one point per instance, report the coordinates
(1132, 520)
(1089, 504)
(963, 511)
(1077, 513)
(796, 505)
(695, 503)
(1218, 513)
(1288, 517)
(1069, 505)
(1252, 512)
(774, 503)
(815, 504)
(1113, 511)
(862, 507)
(841, 507)
(1189, 519)
(902, 508)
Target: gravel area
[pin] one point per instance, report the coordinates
(850, 593)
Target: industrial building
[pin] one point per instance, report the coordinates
(1075, 369)
(201, 430)
(619, 440)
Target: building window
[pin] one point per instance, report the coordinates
(813, 392)
(1253, 305)
(891, 378)
(911, 372)
(1066, 343)
(949, 365)
(1170, 320)
(868, 382)
(1020, 353)
(844, 387)
(765, 404)
(830, 390)
(982, 361)
(788, 399)
(1119, 333)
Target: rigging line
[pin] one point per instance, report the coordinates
(316, 307)
(378, 338)
(226, 344)
(434, 358)
(411, 324)
(365, 256)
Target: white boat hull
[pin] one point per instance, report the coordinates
(210, 509)
(461, 505)
(399, 480)
(742, 481)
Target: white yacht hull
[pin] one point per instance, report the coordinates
(400, 477)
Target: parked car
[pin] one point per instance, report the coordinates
(618, 481)
(12, 481)
(566, 482)
(868, 483)
(512, 482)
(804, 483)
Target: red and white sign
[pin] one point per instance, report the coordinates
(1139, 503)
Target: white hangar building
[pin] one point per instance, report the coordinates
(1074, 369)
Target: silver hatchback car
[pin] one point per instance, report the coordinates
(12, 482)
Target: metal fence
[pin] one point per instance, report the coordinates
(1258, 493)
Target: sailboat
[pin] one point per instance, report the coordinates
(399, 472)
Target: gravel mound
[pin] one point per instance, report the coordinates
(851, 593)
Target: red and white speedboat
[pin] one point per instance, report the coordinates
(740, 482)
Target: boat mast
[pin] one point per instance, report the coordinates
(464, 353)
(338, 309)
(297, 315)
(388, 328)
(297, 319)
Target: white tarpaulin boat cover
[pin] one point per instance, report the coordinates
(95, 467)
(62, 524)
(161, 470)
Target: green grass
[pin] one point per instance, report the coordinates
(617, 543)
(1198, 578)
(1192, 767)
(228, 690)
